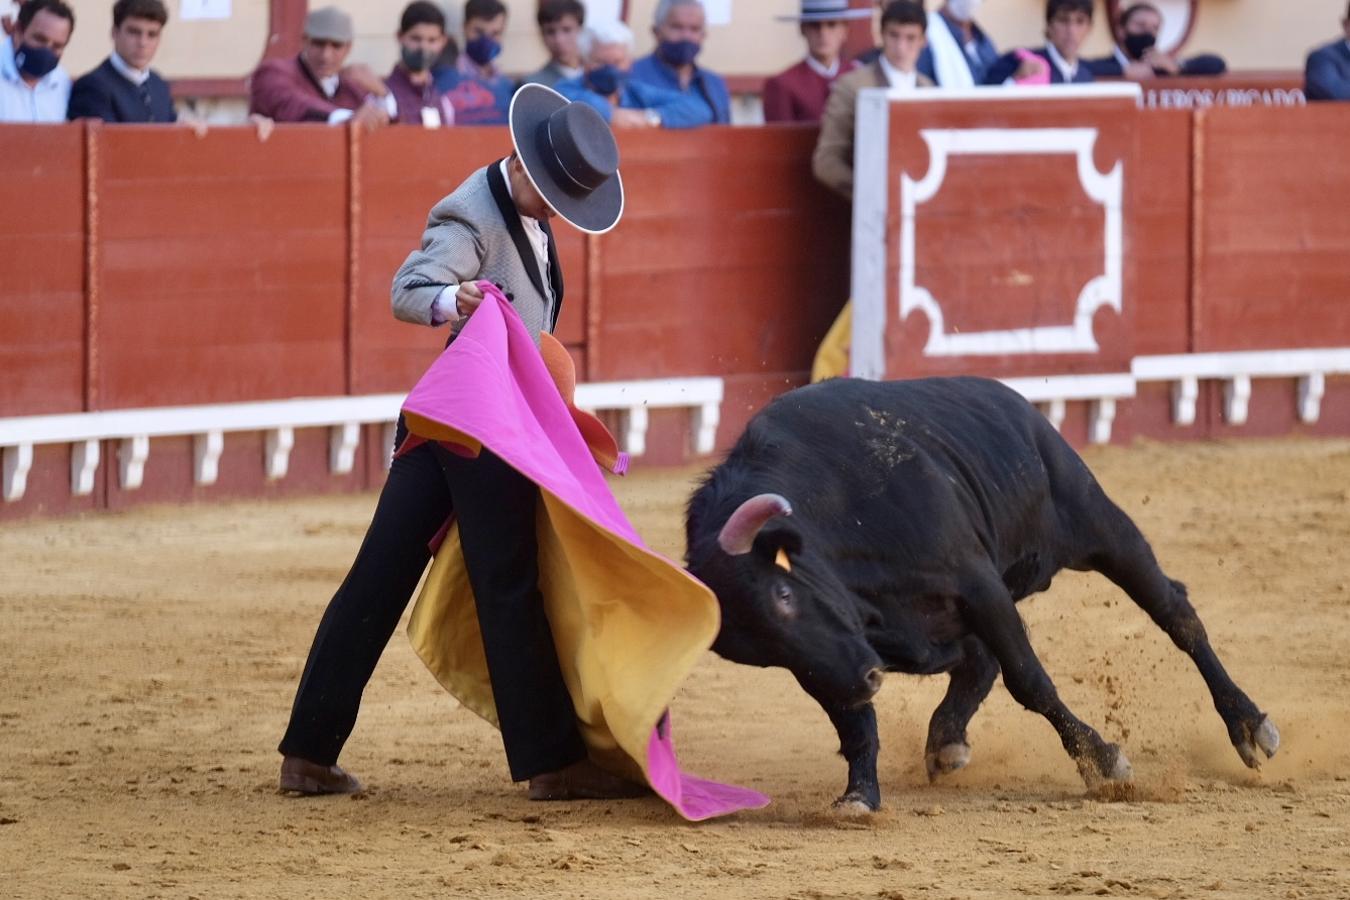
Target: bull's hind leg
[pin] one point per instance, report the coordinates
(1126, 558)
(948, 749)
(994, 617)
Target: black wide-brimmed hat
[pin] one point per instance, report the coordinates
(570, 156)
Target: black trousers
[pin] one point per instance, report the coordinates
(495, 509)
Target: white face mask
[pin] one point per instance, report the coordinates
(964, 9)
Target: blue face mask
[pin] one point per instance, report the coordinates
(604, 80)
(482, 49)
(35, 62)
(678, 53)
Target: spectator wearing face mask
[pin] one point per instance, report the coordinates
(1136, 55)
(421, 39)
(607, 48)
(1327, 73)
(1067, 23)
(124, 88)
(799, 93)
(475, 87)
(33, 86)
(680, 27)
(560, 23)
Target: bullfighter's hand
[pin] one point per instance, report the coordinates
(467, 299)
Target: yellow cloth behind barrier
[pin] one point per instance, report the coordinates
(832, 357)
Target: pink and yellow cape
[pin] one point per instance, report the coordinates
(628, 623)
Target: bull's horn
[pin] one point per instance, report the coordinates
(738, 535)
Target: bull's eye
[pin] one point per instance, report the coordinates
(784, 600)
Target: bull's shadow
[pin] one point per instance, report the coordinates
(863, 527)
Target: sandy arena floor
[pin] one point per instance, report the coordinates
(149, 660)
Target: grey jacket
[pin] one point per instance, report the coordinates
(476, 234)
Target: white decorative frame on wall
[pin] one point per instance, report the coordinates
(870, 208)
(1105, 290)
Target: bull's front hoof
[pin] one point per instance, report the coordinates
(1264, 738)
(1111, 766)
(946, 760)
(855, 804)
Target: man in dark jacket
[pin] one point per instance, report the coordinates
(1067, 23)
(1328, 71)
(1138, 56)
(124, 88)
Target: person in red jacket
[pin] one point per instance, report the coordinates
(313, 87)
(799, 94)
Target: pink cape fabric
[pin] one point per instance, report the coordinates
(492, 386)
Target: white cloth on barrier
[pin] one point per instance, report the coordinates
(949, 59)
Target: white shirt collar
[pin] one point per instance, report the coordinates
(822, 71)
(896, 78)
(1066, 70)
(533, 230)
(1121, 58)
(569, 71)
(330, 84)
(135, 76)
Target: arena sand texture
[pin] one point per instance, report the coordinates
(149, 660)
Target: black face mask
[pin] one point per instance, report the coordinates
(417, 59)
(1136, 45)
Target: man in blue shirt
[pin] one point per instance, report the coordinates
(124, 88)
(477, 90)
(680, 27)
(33, 87)
(1328, 70)
(605, 85)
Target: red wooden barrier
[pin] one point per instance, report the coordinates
(730, 260)
(42, 292)
(221, 265)
(1273, 229)
(190, 271)
(1006, 224)
(1237, 90)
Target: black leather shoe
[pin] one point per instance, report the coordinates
(584, 781)
(304, 777)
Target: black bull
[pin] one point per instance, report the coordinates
(860, 527)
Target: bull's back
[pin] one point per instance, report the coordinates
(957, 456)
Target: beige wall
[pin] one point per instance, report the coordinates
(202, 49)
(1251, 34)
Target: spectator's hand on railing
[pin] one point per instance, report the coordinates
(371, 115)
(262, 125)
(1138, 71)
(630, 118)
(1157, 61)
(195, 122)
(364, 77)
